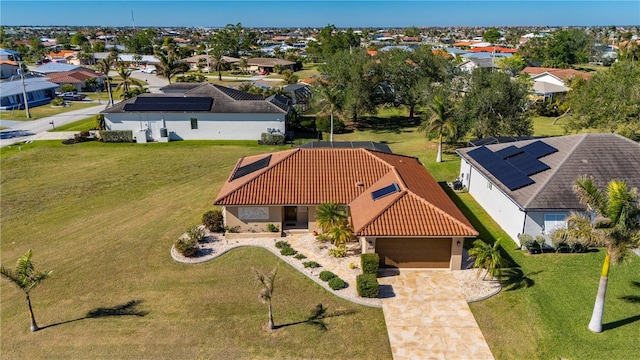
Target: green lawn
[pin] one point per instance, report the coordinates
(42, 111)
(80, 125)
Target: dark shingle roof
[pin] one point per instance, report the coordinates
(348, 144)
(604, 156)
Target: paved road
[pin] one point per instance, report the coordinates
(27, 130)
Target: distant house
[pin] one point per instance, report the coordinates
(550, 82)
(526, 186)
(484, 63)
(129, 58)
(64, 57)
(394, 205)
(300, 95)
(267, 64)
(77, 78)
(206, 112)
(39, 92)
(52, 67)
(205, 60)
(8, 65)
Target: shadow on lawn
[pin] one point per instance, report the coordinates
(514, 279)
(127, 309)
(615, 324)
(318, 314)
(394, 124)
(635, 299)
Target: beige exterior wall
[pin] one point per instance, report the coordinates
(456, 253)
(257, 224)
(312, 218)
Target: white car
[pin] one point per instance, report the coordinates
(149, 70)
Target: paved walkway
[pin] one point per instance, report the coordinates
(427, 317)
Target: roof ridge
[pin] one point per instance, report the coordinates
(555, 171)
(446, 214)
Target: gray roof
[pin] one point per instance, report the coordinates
(347, 145)
(225, 101)
(604, 156)
(8, 88)
(52, 67)
(179, 87)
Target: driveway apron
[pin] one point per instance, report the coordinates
(427, 317)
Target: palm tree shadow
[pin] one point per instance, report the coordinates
(615, 324)
(632, 298)
(514, 279)
(127, 309)
(318, 314)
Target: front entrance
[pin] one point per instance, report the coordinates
(296, 217)
(290, 215)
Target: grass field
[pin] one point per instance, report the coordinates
(80, 125)
(46, 110)
(103, 217)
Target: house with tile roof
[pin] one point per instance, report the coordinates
(526, 186)
(205, 112)
(396, 208)
(548, 83)
(78, 78)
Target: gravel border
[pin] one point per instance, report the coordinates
(472, 285)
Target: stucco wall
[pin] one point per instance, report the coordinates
(210, 126)
(257, 225)
(368, 245)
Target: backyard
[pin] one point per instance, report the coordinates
(104, 216)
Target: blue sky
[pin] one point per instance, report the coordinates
(308, 13)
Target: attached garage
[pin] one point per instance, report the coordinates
(414, 252)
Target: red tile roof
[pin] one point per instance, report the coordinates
(72, 77)
(498, 49)
(349, 176)
(563, 74)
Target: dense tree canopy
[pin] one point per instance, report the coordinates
(492, 35)
(142, 42)
(234, 40)
(331, 41)
(563, 49)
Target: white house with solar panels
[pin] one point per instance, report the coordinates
(205, 112)
(526, 186)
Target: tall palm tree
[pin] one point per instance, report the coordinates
(217, 61)
(26, 278)
(330, 215)
(104, 66)
(487, 257)
(330, 99)
(127, 81)
(440, 121)
(267, 281)
(613, 222)
(169, 65)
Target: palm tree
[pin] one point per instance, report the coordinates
(340, 234)
(169, 65)
(25, 278)
(104, 66)
(613, 221)
(243, 64)
(127, 80)
(441, 121)
(487, 257)
(330, 99)
(217, 62)
(330, 215)
(267, 281)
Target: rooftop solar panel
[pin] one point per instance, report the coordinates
(527, 164)
(539, 149)
(166, 103)
(509, 151)
(249, 168)
(387, 190)
(505, 172)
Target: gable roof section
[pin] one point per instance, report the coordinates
(604, 156)
(349, 176)
(74, 76)
(564, 74)
(8, 88)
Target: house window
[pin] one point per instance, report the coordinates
(194, 123)
(489, 185)
(553, 221)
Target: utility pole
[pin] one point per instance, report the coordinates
(24, 89)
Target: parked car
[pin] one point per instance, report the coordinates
(264, 73)
(149, 70)
(72, 96)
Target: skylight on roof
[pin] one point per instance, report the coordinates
(385, 191)
(250, 168)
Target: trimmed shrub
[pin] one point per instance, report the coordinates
(196, 233)
(116, 135)
(369, 263)
(311, 264)
(300, 256)
(213, 220)
(273, 228)
(336, 283)
(282, 244)
(57, 102)
(338, 252)
(326, 275)
(288, 251)
(186, 246)
(271, 139)
(367, 285)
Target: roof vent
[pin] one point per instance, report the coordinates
(360, 184)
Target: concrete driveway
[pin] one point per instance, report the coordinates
(427, 317)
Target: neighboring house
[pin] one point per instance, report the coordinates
(267, 64)
(548, 83)
(483, 63)
(65, 57)
(193, 61)
(206, 112)
(77, 78)
(39, 92)
(8, 68)
(396, 208)
(52, 67)
(300, 95)
(6, 54)
(129, 58)
(526, 186)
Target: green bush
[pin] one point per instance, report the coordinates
(338, 252)
(367, 285)
(300, 256)
(288, 251)
(57, 102)
(323, 238)
(186, 246)
(271, 139)
(327, 275)
(324, 124)
(369, 263)
(116, 135)
(336, 284)
(273, 228)
(311, 264)
(232, 229)
(282, 244)
(67, 88)
(196, 233)
(213, 220)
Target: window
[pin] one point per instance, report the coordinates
(489, 185)
(194, 123)
(554, 221)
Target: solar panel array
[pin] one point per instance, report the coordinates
(387, 190)
(249, 168)
(512, 166)
(168, 103)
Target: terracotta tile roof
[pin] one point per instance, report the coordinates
(372, 52)
(498, 49)
(74, 76)
(563, 74)
(10, 62)
(349, 176)
(442, 53)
